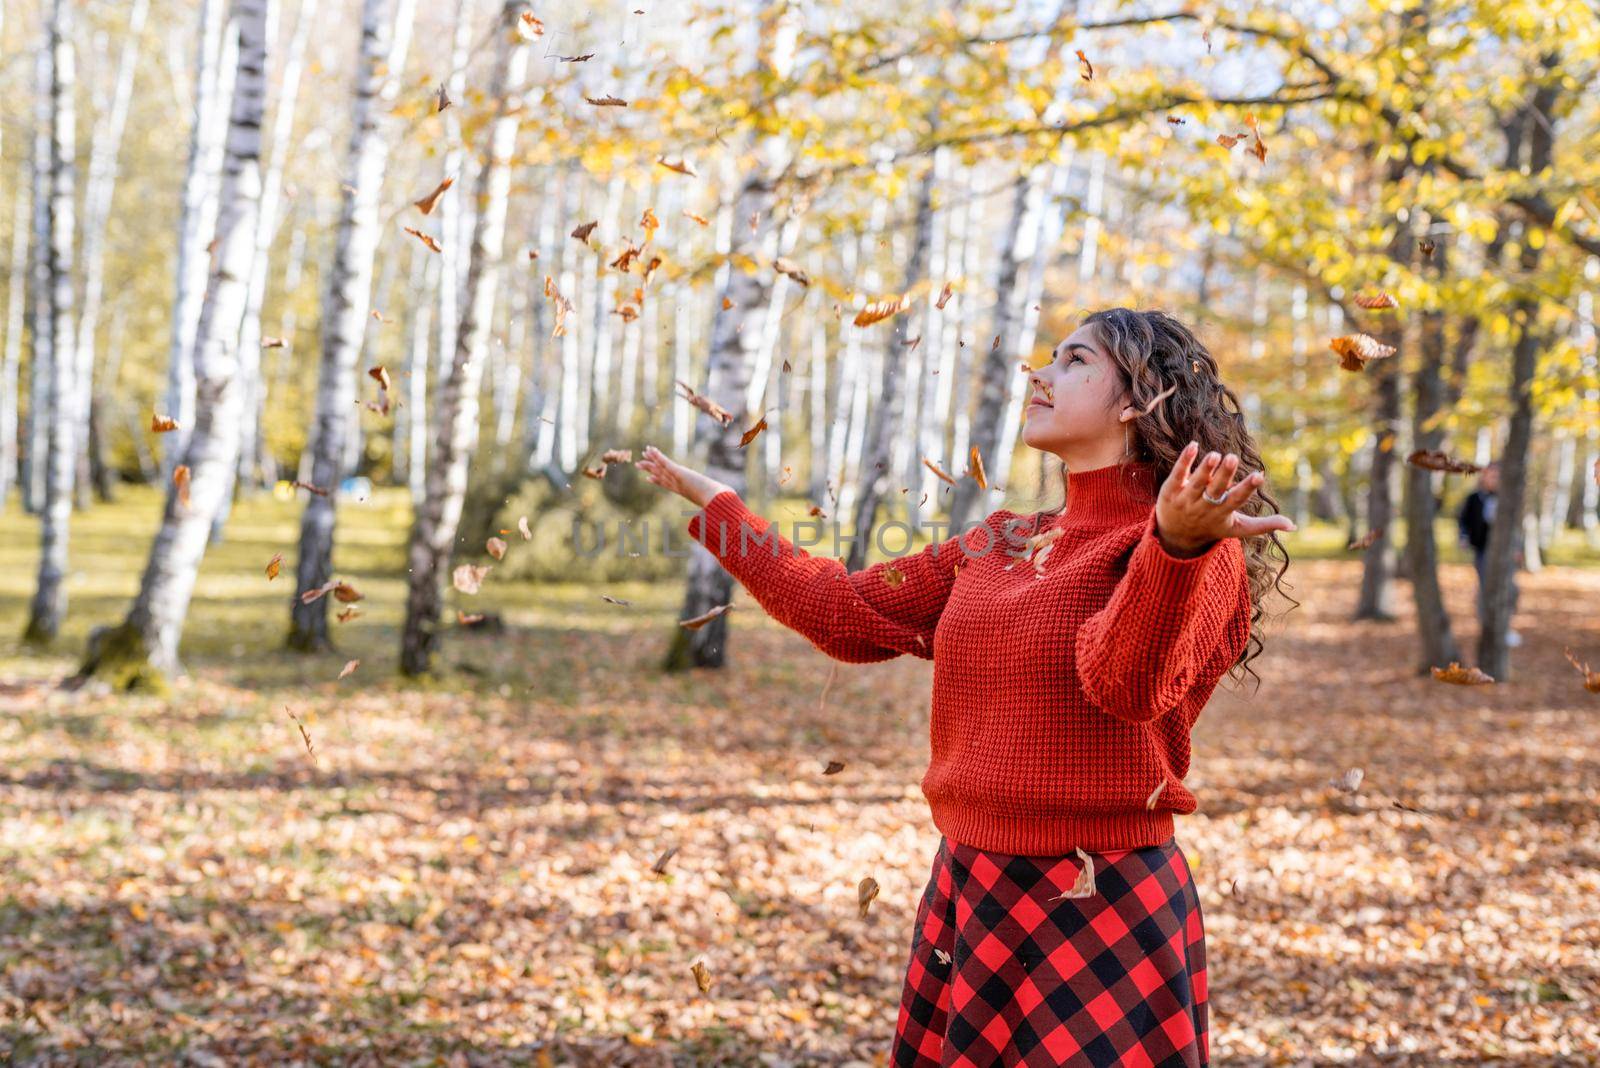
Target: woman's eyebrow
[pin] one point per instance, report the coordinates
(1077, 345)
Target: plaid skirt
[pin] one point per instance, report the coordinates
(1003, 973)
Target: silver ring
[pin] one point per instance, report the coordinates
(1214, 500)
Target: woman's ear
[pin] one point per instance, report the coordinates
(1128, 412)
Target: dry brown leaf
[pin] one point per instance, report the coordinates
(1085, 68)
(866, 890)
(161, 424)
(660, 865)
(892, 575)
(1376, 301)
(683, 166)
(792, 269)
(1258, 148)
(750, 435)
(1365, 540)
(1155, 795)
(596, 471)
(702, 977)
(425, 204)
(441, 99)
(1356, 349)
(380, 375)
(303, 734)
(1434, 460)
(273, 343)
(975, 468)
(582, 232)
(496, 547)
(607, 101)
(1084, 887)
(349, 668)
(616, 600)
(705, 404)
(345, 593)
(701, 620)
(433, 246)
(308, 487)
(467, 619)
(936, 469)
(944, 296)
(348, 614)
(1591, 679)
(833, 767)
(180, 479)
(878, 310)
(1461, 676)
(273, 565)
(468, 578)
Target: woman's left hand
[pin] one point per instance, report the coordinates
(1188, 523)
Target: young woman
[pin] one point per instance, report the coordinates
(1072, 651)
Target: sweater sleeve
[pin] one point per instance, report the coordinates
(1166, 622)
(873, 614)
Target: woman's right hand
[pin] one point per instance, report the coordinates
(693, 486)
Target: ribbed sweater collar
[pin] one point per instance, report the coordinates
(1110, 496)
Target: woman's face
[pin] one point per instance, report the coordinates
(1074, 400)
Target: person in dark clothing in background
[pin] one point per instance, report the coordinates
(1473, 523)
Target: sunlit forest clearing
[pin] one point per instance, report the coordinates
(330, 336)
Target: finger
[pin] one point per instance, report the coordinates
(1222, 476)
(1249, 526)
(1180, 470)
(1201, 477)
(1240, 491)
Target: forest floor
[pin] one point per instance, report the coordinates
(461, 873)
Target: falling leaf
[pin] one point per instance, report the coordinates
(944, 296)
(180, 479)
(944, 958)
(425, 204)
(834, 767)
(1356, 349)
(1176, 120)
(1084, 887)
(1085, 68)
(530, 26)
(496, 547)
(975, 468)
(879, 310)
(433, 246)
(616, 600)
(348, 614)
(1258, 148)
(617, 456)
(701, 620)
(893, 576)
(702, 978)
(469, 577)
(576, 59)
(866, 890)
(1427, 246)
(318, 490)
(1591, 679)
(1461, 676)
(607, 101)
(682, 166)
(705, 404)
(1365, 540)
(161, 424)
(273, 565)
(441, 99)
(790, 268)
(750, 435)
(380, 375)
(468, 619)
(936, 469)
(1349, 782)
(345, 593)
(660, 865)
(523, 528)
(788, 473)
(1229, 140)
(382, 318)
(582, 232)
(597, 471)
(273, 343)
(317, 594)
(303, 734)
(1375, 301)
(1155, 795)
(349, 668)
(1434, 460)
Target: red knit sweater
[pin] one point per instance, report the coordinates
(1063, 695)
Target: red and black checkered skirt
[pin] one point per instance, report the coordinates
(1005, 971)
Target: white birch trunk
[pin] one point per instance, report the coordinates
(197, 221)
(144, 649)
(50, 595)
(346, 306)
(16, 291)
(434, 531)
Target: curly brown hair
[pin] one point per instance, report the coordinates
(1154, 352)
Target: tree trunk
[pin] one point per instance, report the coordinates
(40, 320)
(1506, 532)
(196, 223)
(885, 426)
(1438, 644)
(143, 649)
(10, 367)
(346, 307)
(434, 531)
(50, 597)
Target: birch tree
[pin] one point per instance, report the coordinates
(385, 38)
(50, 596)
(196, 221)
(456, 419)
(141, 651)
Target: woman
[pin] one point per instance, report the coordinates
(1060, 924)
